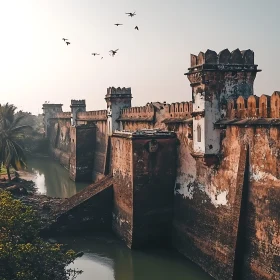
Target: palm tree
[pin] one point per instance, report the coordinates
(11, 152)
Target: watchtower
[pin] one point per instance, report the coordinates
(216, 78)
(76, 106)
(117, 99)
(49, 111)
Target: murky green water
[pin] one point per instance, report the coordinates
(107, 258)
(52, 179)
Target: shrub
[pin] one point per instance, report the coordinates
(23, 254)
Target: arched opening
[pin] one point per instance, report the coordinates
(198, 133)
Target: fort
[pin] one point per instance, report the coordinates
(201, 176)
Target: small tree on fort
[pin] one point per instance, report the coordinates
(11, 152)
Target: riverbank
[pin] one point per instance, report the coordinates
(105, 256)
(23, 188)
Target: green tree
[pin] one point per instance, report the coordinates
(11, 152)
(23, 254)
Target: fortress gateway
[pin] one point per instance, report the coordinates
(202, 176)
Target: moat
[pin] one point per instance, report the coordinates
(107, 258)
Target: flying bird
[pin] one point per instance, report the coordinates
(117, 24)
(131, 14)
(95, 54)
(67, 43)
(113, 52)
(102, 57)
(136, 27)
(64, 39)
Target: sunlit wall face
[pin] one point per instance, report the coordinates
(37, 66)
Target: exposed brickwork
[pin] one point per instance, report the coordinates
(100, 150)
(226, 188)
(153, 187)
(143, 187)
(123, 188)
(82, 152)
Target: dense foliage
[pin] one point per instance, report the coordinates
(11, 131)
(23, 254)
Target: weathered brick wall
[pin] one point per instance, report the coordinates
(123, 188)
(82, 152)
(262, 236)
(153, 187)
(204, 217)
(207, 207)
(136, 125)
(60, 140)
(100, 150)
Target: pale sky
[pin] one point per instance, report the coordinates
(37, 66)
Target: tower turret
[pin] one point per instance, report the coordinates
(49, 111)
(117, 99)
(76, 106)
(216, 78)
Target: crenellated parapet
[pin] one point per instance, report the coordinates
(178, 109)
(62, 115)
(264, 106)
(143, 113)
(226, 58)
(178, 112)
(118, 92)
(211, 69)
(77, 106)
(76, 102)
(215, 79)
(116, 99)
(99, 115)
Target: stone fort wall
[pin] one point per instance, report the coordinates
(225, 215)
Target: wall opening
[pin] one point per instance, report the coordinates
(241, 248)
(198, 133)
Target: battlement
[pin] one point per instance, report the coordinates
(62, 115)
(224, 57)
(179, 110)
(143, 113)
(264, 106)
(224, 61)
(92, 115)
(118, 92)
(78, 103)
(51, 106)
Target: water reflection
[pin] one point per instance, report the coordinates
(52, 179)
(107, 258)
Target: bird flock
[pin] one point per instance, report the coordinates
(111, 52)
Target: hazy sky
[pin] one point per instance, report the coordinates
(37, 66)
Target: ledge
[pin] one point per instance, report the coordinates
(145, 133)
(248, 122)
(223, 68)
(198, 113)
